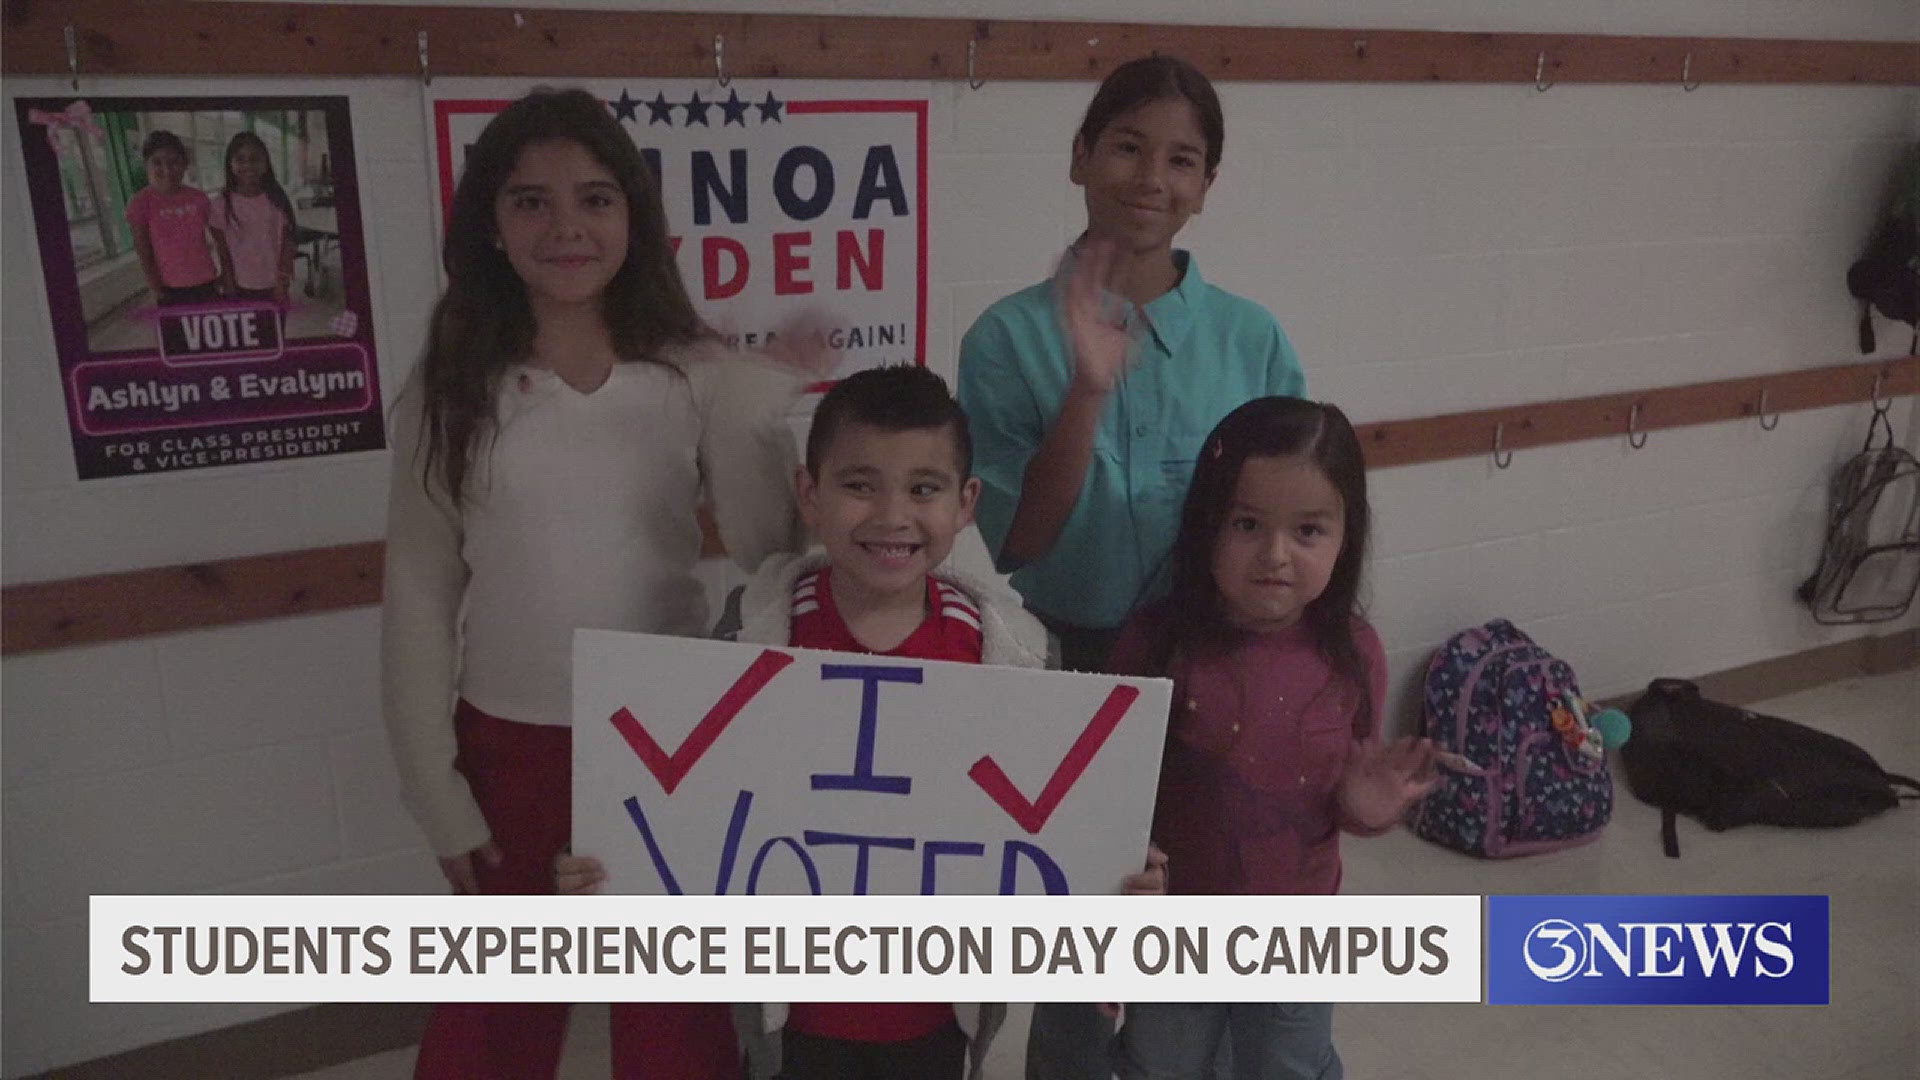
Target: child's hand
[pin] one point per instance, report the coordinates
(801, 343)
(1100, 348)
(459, 869)
(577, 875)
(1383, 779)
(1149, 882)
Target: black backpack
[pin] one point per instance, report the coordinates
(1726, 766)
(1887, 275)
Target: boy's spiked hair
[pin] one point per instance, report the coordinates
(899, 397)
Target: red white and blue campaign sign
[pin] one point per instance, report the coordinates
(196, 322)
(705, 767)
(781, 197)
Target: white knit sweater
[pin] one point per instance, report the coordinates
(579, 513)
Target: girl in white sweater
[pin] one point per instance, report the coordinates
(549, 453)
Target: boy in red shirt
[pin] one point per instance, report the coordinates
(886, 488)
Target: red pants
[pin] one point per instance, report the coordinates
(521, 775)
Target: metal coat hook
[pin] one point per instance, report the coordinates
(1360, 48)
(426, 73)
(1499, 445)
(1635, 437)
(973, 48)
(1879, 381)
(1687, 81)
(720, 59)
(73, 56)
(1762, 411)
(1540, 82)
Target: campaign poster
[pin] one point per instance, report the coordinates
(783, 197)
(206, 275)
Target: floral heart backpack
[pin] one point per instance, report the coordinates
(1512, 708)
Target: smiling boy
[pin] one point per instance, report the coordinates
(886, 487)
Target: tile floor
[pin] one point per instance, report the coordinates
(1871, 1031)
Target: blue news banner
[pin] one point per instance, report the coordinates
(1657, 950)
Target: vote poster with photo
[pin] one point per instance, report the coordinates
(782, 197)
(206, 278)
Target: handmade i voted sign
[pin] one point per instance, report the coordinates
(704, 767)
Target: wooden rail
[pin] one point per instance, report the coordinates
(198, 37)
(112, 607)
(1466, 434)
(166, 599)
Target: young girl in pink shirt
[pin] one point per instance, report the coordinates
(170, 222)
(253, 224)
(1273, 747)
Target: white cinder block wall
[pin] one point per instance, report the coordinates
(1429, 249)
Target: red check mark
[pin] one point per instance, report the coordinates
(1033, 816)
(671, 770)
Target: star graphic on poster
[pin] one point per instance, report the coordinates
(697, 110)
(659, 109)
(770, 109)
(735, 109)
(624, 109)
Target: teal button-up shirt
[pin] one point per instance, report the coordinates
(1200, 353)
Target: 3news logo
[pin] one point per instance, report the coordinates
(1657, 950)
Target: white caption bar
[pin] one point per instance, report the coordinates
(784, 948)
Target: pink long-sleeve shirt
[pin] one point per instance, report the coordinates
(1257, 742)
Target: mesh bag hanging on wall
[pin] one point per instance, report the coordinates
(1870, 567)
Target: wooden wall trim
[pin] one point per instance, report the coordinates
(1457, 435)
(199, 37)
(167, 599)
(45, 615)
(287, 1044)
(1779, 676)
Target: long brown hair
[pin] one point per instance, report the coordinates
(1193, 617)
(484, 322)
(269, 184)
